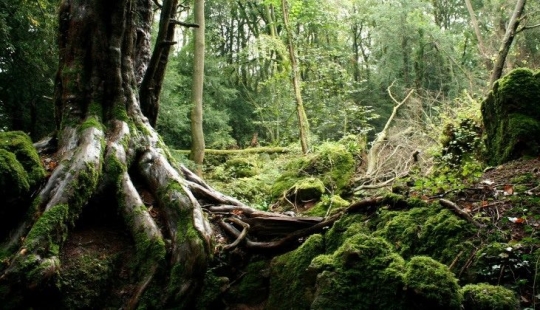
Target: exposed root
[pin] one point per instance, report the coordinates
(59, 203)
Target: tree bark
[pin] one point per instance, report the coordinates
(108, 153)
(151, 83)
(197, 135)
(507, 42)
(303, 124)
(104, 144)
(476, 27)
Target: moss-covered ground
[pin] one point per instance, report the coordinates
(410, 252)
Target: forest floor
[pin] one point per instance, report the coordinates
(505, 196)
(504, 200)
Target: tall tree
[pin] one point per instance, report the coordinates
(303, 124)
(197, 145)
(507, 41)
(104, 142)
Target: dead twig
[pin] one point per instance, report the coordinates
(454, 207)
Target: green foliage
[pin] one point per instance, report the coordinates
(461, 143)
(484, 296)
(174, 117)
(28, 59)
(446, 177)
(253, 188)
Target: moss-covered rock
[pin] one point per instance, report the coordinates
(426, 230)
(291, 287)
(306, 189)
(511, 114)
(252, 288)
(364, 273)
(431, 285)
(331, 163)
(19, 143)
(239, 167)
(20, 167)
(20, 173)
(328, 205)
(488, 297)
(347, 226)
(14, 179)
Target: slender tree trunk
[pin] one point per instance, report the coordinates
(197, 135)
(476, 27)
(303, 123)
(150, 87)
(507, 42)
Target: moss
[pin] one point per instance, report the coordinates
(239, 168)
(363, 273)
(213, 287)
(328, 205)
(511, 117)
(428, 230)
(120, 113)
(347, 226)
(51, 226)
(91, 121)
(431, 285)
(114, 168)
(252, 288)
(331, 163)
(85, 280)
(189, 239)
(306, 189)
(290, 286)
(20, 145)
(488, 297)
(95, 109)
(14, 180)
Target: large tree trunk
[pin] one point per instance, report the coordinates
(110, 155)
(104, 141)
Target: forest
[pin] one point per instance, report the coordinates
(269, 154)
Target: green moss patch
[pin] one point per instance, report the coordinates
(488, 297)
(425, 230)
(20, 145)
(364, 273)
(331, 163)
(511, 116)
(291, 287)
(431, 285)
(85, 280)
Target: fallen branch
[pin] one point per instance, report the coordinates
(454, 207)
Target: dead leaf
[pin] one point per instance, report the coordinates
(508, 189)
(237, 212)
